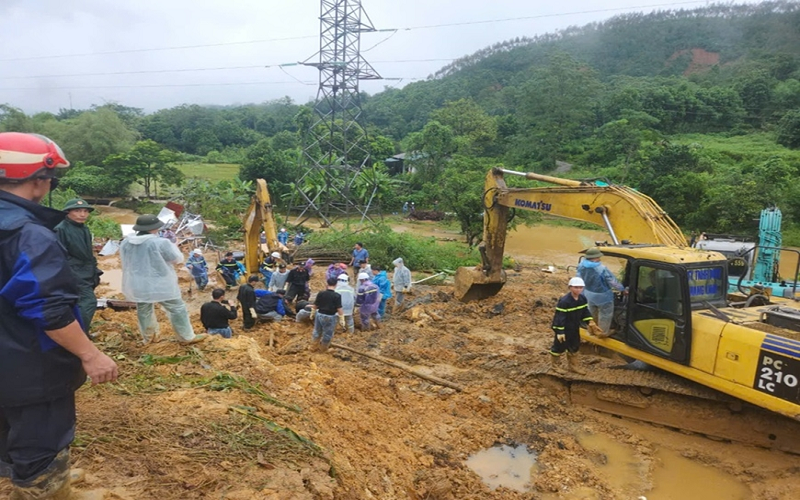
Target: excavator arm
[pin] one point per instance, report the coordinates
(259, 217)
(629, 217)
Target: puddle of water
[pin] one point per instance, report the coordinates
(673, 478)
(678, 478)
(504, 466)
(112, 279)
(620, 466)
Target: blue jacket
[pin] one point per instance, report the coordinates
(37, 293)
(384, 285)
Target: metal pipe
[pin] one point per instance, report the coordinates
(542, 178)
(604, 214)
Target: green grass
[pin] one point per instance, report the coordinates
(213, 172)
(750, 148)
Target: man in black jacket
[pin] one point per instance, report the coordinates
(272, 306)
(247, 298)
(297, 279)
(44, 353)
(215, 314)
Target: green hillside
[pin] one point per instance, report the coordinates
(698, 108)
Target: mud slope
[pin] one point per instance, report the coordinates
(237, 419)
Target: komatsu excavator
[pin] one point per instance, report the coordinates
(677, 317)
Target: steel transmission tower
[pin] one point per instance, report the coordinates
(336, 148)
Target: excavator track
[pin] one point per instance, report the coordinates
(665, 399)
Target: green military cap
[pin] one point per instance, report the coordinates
(147, 222)
(77, 203)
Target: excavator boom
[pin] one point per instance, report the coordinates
(259, 218)
(628, 216)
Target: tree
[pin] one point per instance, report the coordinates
(789, 129)
(94, 135)
(278, 168)
(462, 193)
(147, 163)
(476, 130)
(14, 120)
(428, 151)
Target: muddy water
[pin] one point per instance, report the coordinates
(673, 477)
(120, 215)
(505, 466)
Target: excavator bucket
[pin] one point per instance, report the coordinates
(473, 284)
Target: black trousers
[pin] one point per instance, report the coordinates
(31, 436)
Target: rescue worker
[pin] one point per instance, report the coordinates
(77, 239)
(283, 236)
(197, 265)
(348, 294)
(298, 279)
(327, 307)
(571, 310)
(272, 305)
(278, 279)
(149, 278)
(381, 280)
(247, 298)
(231, 270)
(599, 291)
(359, 253)
(402, 283)
(45, 354)
(368, 299)
(216, 314)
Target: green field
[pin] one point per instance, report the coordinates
(213, 172)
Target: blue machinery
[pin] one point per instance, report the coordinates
(757, 270)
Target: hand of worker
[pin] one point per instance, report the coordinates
(253, 312)
(99, 367)
(341, 321)
(561, 337)
(594, 329)
(313, 314)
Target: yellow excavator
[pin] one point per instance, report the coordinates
(676, 317)
(260, 217)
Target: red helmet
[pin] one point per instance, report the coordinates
(23, 156)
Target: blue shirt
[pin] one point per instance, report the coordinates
(359, 255)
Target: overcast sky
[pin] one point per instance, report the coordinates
(44, 44)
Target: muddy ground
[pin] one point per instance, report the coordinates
(237, 419)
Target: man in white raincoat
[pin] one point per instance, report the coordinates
(348, 294)
(149, 278)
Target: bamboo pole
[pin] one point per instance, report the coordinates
(401, 366)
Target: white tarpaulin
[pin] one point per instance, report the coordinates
(127, 229)
(110, 248)
(167, 216)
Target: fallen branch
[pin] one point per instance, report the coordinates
(401, 366)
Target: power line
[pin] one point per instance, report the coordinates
(189, 70)
(213, 84)
(408, 28)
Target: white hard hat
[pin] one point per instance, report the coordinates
(283, 229)
(576, 282)
(197, 251)
(343, 277)
(275, 255)
(363, 276)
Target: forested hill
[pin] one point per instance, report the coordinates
(712, 45)
(700, 109)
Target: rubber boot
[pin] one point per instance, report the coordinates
(555, 362)
(574, 367)
(323, 347)
(55, 483)
(314, 347)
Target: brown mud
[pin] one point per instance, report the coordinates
(236, 419)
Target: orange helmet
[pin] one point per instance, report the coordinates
(23, 156)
